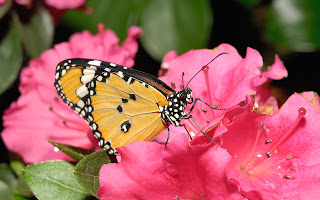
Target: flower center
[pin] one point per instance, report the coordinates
(265, 158)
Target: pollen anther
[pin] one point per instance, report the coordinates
(268, 154)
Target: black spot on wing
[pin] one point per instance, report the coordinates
(124, 100)
(120, 109)
(132, 96)
(125, 126)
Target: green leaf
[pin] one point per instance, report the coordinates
(178, 25)
(87, 171)
(117, 15)
(74, 152)
(10, 58)
(54, 180)
(8, 182)
(4, 8)
(22, 189)
(18, 197)
(17, 167)
(294, 25)
(37, 31)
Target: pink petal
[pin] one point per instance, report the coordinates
(153, 171)
(62, 4)
(26, 3)
(276, 71)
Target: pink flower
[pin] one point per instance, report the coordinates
(276, 157)
(267, 103)
(40, 115)
(58, 4)
(177, 171)
(226, 82)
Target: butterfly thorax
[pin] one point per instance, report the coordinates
(174, 111)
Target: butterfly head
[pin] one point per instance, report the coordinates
(185, 95)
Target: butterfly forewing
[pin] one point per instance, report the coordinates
(119, 103)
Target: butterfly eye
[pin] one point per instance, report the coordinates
(183, 95)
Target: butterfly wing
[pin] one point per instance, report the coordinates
(120, 104)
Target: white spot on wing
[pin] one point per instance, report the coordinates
(80, 104)
(82, 91)
(94, 62)
(87, 77)
(120, 74)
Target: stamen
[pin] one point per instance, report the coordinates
(293, 168)
(181, 86)
(204, 110)
(49, 107)
(208, 121)
(268, 154)
(55, 98)
(289, 156)
(267, 141)
(173, 84)
(209, 94)
(287, 176)
(253, 150)
(302, 112)
(64, 121)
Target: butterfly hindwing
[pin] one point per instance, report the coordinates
(120, 104)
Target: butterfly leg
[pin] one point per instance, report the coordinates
(187, 131)
(190, 117)
(168, 134)
(194, 104)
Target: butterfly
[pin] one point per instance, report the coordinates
(122, 104)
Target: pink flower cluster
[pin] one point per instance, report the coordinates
(261, 152)
(40, 115)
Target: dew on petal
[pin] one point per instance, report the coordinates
(56, 149)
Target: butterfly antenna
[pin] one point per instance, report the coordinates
(182, 80)
(202, 68)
